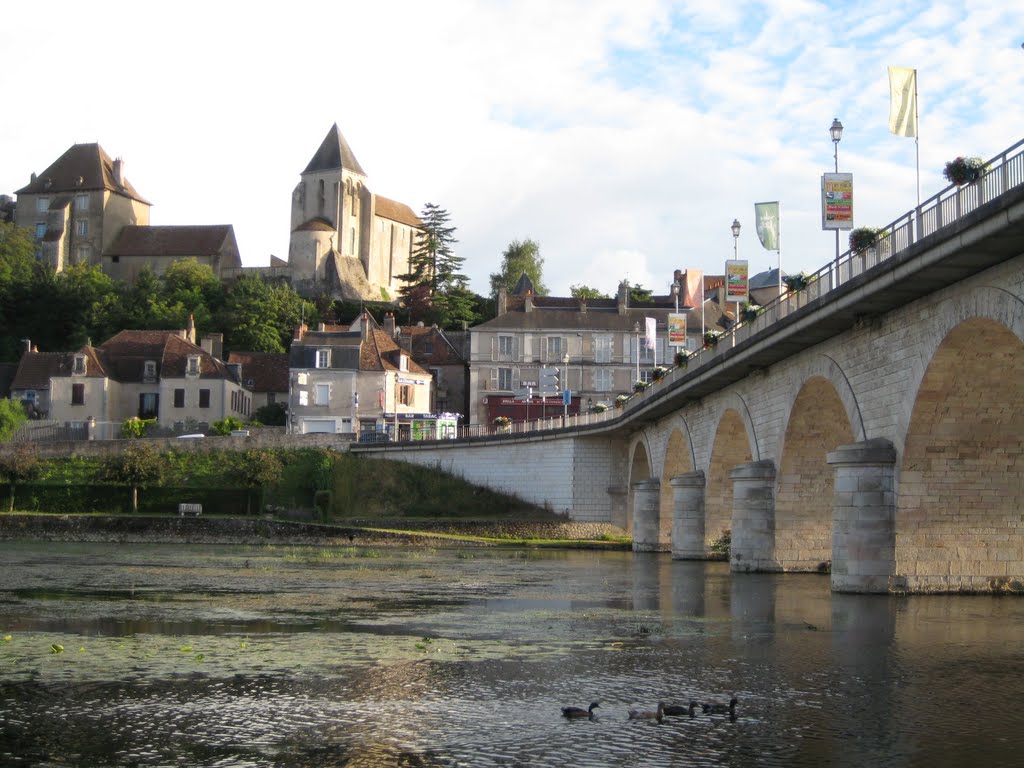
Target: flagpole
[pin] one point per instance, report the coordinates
(917, 140)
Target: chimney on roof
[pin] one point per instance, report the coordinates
(300, 331)
(502, 307)
(389, 324)
(119, 172)
(28, 344)
(364, 325)
(189, 334)
(321, 327)
(528, 302)
(213, 344)
(32, 178)
(236, 371)
(622, 299)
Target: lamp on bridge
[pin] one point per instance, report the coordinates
(675, 293)
(836, 132)
(735, 255)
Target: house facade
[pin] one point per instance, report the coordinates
(345, 240)
(155, 248)
(78, 205)
(265, 376)
(598, 347)
(353, 381)
(160, 375)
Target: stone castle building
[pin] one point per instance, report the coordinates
(346, 241)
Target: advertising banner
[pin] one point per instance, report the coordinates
(766, 218)
(676, 330)
(736, 275)
(837, 201)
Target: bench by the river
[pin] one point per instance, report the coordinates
(190, 509)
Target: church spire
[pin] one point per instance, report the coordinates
(334, 153)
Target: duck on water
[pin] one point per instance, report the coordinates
(578, 713)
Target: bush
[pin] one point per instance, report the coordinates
(226, 425)
(135, 427)
(720, 547)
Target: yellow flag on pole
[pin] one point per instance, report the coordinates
(903, 101)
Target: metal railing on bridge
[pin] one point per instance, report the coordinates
(1001, 174)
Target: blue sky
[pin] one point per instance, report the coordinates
(623, 137)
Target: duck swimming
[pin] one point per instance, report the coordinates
(646, 714)
(721, 709)
(679, 709)
(577, 713)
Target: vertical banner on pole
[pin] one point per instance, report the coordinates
(736, 280)
(837, 201)
(677, 330)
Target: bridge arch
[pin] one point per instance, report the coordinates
(961, 474)
(733, 442)
(819, 420)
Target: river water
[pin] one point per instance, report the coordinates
(156, 655)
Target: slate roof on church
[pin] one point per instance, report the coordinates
(395, 211)
(88, 162)
(334, 153)
(187, 240)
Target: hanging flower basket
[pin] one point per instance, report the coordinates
(640, 386)
(502, 422)
(659, 373)
(598, 408)
(964, 170)
(749, 311)
(863, 238)
(711, 338)
(681, 359)
(796, 282)
(621, 400)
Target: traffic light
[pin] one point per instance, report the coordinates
(549, 381)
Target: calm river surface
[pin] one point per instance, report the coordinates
(305, 656)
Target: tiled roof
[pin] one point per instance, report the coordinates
(267, 371)
(334, 153)
(190, 240)
(395, 211)
(377, 353)
(569, 321)
(124, 355)
(429, 346)
(87, 162)
(317, 224)
(35, 370)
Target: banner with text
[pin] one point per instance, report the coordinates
(676, 330)
(837, 201)
(736, 280)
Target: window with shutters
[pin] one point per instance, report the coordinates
(603, 378)
(555, 349)
(179, 398)
(79, 368)
(603, 348)
(323, 394)
(505, 379)
(506, 347)
(323, 358)
(204, 398)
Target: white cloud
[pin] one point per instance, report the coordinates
(624, 137)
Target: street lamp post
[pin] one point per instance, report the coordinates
(675, 293)
(636, 331)
(735, 255)
(836, 132)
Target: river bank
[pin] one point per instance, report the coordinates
(347, 532)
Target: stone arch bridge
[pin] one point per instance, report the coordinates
(873, 427)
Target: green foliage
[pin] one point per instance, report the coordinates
(963, 170)
(581, 291)
(720, 547)
(226, 426)
(19, 467)
(519, 257)
(12, 416)
(135, 427)
(256, 468)
(863, 238)
(261, 317)
(138, 465)
(272, 415)
(640, 295)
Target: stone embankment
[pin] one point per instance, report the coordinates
(219, 530)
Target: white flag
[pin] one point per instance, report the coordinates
(650, 326)
(903, 101)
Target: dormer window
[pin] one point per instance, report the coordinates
(79, 368)
(149, 370)
(323, 358)
(192, 369)
(403, 362)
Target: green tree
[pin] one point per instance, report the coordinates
(19, 467)
(23, 305)
(138, 466)
(260, 316)
(639, 295)
(581, 291)
(256, 469)
(12, 416)
(272, 415)
(434, 289)
(519, 257)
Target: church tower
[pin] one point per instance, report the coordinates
(346, 241)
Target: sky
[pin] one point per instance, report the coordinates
(623, 137)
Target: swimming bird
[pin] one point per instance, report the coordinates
(679, 709)
(577, 713)
(646, 714)
(721, 709)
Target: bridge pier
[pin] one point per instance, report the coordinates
(864, 517)
(688, 516)
(753, 517)
(647, 529)
(618, 506)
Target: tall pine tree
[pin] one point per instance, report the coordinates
(435, 289)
